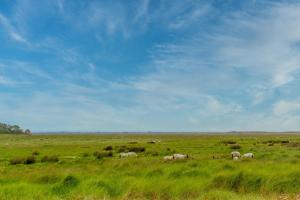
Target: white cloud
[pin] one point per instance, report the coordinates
(208, 80)
(11, 30)
(6, 81)
(286, 107)
(265, 44)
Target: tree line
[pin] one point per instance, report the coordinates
(12, 129)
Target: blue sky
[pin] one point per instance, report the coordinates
(149, 65)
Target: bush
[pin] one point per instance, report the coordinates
(121, 149)
(235, 146)
(35, 153)
(128, 149)
(49, 159)
(293, 144)
(285, 141)
(228, 142)
(108, 148)
(85, 155)
(28, 160)
(16, 161)
(69, 183)
(136, 149)
(100, 155)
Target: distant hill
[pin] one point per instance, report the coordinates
(12, 129)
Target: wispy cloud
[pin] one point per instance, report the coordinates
(265, 44)
(152, 65)
(12, 32)
(283, 107)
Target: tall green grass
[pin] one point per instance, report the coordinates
(209, 174)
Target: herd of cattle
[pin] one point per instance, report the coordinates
(235, 155)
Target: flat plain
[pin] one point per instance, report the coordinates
(87, 166)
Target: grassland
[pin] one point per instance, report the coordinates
(274, 173)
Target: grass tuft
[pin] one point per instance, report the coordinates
(69, 183)
(50, 159)
(108, 148)
(27, 160)
(100, 155)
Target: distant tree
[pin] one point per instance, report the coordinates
(15, 129)
(27, 132)
(10, 129)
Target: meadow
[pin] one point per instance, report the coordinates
(88, 167)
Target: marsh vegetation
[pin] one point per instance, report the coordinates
(89, 167)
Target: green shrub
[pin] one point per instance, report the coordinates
(49, 159)
(27, 160)
(128, 149)
(69, 183)
(35, 153)
(121, 149)
(108, 148)
(285, 141)
(136, 149)
(85, 155)
(100, 155)
(15, 161)
(293, 144)
(228, 142)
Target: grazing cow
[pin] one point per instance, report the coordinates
(248, 155)
(166, 158)
(180, 156)
(129, 154)
(235, 158)
(235, 154)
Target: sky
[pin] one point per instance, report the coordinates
(150, 65)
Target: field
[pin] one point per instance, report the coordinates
(72, 169)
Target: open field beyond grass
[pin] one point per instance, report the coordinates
(72, 170)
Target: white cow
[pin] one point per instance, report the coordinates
(180, 156)
(129, 154)
(166, 158)
(248, 155)
(235, 154)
